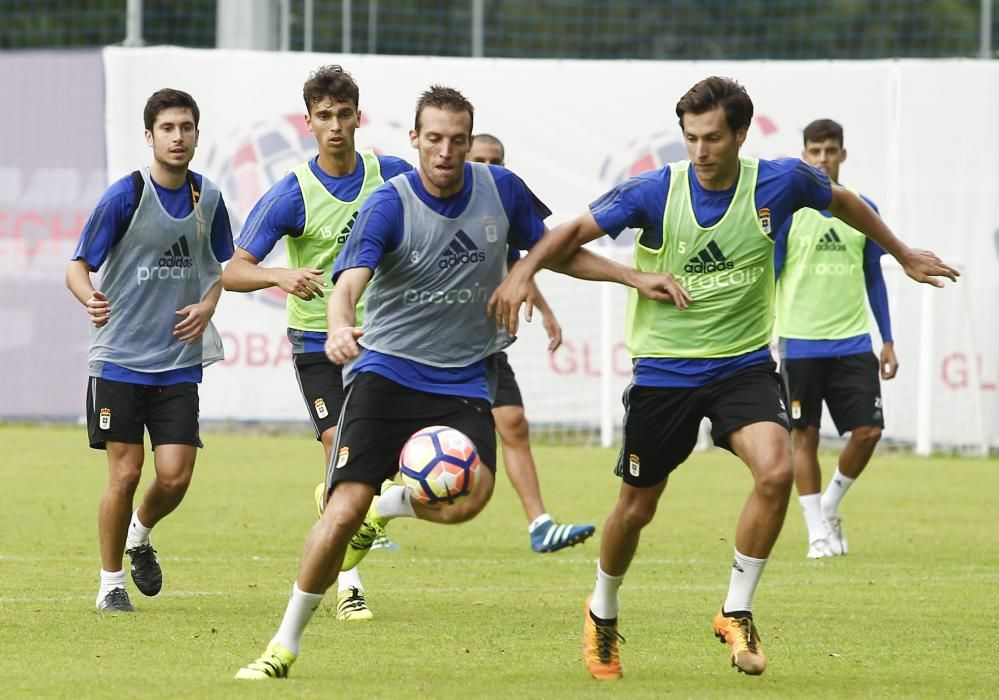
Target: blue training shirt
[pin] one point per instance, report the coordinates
(379, 230)
(877, 296)
(281, 212)
(106, 227)
(783, 186)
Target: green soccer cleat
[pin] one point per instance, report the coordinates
(320, 496)
(360, 544)
(274, 663)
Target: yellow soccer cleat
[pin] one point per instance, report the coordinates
(351, 606)
(320, 496)
(741, 636)
(274, 663)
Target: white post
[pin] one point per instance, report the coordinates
(345, 26)
(985, 30)
(133, 23)
(284, 42)
(307, 29)
(372, 26)
(924, 384)
(478, 28)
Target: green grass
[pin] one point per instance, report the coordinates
(469, 611)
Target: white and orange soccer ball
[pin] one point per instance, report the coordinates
(439, 464)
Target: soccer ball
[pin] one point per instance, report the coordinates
(439, 465)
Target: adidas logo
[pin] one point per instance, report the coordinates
(174, 263)
(830, 241)
(710, 259)
(462, 250)
(177, 255)
(342, 238)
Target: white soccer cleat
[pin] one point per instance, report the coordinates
(820, 549)
(837, 541)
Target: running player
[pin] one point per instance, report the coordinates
(823, 267)
(313, 208)
(545, 534)
(710, 223)
(158, 236)
(425, 340)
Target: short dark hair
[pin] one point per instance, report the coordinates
(823, 129)
(166, 99)
(444, 98)
(330, 82)
(714, 92)
(489, 138)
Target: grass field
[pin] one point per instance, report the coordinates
(469, 611)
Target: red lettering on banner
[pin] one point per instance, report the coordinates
(255, 349)
(585, 360)
(954, 372)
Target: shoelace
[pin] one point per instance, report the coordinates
(117, 596)
(272, 666)
(606, 636)
(748, 634)
(144, 553)
(366, 534)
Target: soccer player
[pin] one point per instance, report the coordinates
(160, 235)
(508, 408)
(823, 266)
(313, 208)
(710, 223)
(429, 247)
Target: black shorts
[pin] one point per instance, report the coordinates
(378, 418)
(321, 384)
(118, 411)
(507, 391)
(850, 385)
(661, 424)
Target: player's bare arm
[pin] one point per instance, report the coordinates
(658, 286)
(195, 317)
(921, 265)
(243, 273)
(551, 325)
(341, 339)
(78, 281)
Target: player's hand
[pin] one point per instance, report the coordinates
(661, 286)
(98, 308)
(504, 305)
(554, 331)
(924, 266)
(889, 364)
(341, 344)
(196, 318)
(304, 283)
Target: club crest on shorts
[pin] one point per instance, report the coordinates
(321, 408)
(105, 419)
(342, 456)
(634, 464)
(490, 225)
(796, 410)
(764, 216)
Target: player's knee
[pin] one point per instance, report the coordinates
(637, 513)
(776, 480)
(868, 434)
(175, 482)
(124, 476)
(470, 506)
(513, 427)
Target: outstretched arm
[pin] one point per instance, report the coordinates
(243, 273)
(341, 338)
(920, 265)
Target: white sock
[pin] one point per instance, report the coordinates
(394, 502)
(810, 505)
(109, 581)
(301, 607)
(538, 521)
(746, 572)
(138, 534)
(349, 579)
(605, 601)
(837, 488)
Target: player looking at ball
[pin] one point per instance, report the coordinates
(313, 208)
(709, 221)
(160, 235)
(429, 247)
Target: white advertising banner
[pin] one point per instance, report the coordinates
(920, 135)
